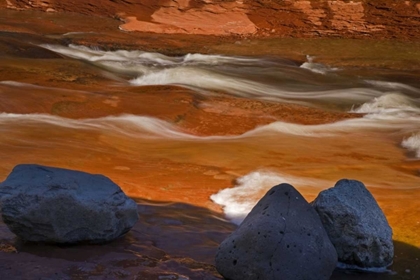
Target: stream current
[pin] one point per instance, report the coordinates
(220, 161)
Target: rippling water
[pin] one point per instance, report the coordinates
(157, 153)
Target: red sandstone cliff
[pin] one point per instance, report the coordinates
(291, 18)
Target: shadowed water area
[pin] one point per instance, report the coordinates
(209, 127)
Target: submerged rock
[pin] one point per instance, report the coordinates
(54, 205)
(281, 238)
(356, 225)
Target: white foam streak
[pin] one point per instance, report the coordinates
(412, 143)
(197, 58)
(238, 201)
(385, 111)
(99, 56)
(395, 112)
(393, 104)
(149, 127)
(316, 67)
(138, 126)
(192, 71)
(392, 85)
(77, 33)
(27, 85)
(194, 77)
(369, 123)
(130, 125)
(175, 76)
(148, 58)
(19, 84)
(205, 79)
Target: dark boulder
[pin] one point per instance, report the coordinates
(281, 238)
(54, 205)
(356, 225)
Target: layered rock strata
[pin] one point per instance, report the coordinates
(295, 18)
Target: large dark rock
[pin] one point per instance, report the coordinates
(356, 225)
(281, 238)
(54, 205)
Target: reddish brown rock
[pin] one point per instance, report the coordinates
(297, 18)
(208, 18)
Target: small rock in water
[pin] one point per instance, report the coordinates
(281, 238)
(356, 225)
(54, 205)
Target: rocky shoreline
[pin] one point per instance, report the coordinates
(281, 235)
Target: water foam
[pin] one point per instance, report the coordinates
(238, 201)
(19, 84)
(398, 111)
(368, 123)
(395, 104)
(385, 111)
(231, 74)
(208, 59)
(147, 58)
(209, 80)
(77, 33)
(392, 85)
(314, 67)
(142, 127)
(412, 143)
(130, 125)
(149, 127)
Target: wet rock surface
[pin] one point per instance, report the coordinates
(171, 241)
(281, 238)
(356, 225)
(54, 205)
(150, 250)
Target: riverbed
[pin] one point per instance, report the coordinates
(198, 128)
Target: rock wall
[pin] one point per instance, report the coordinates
(290, 18)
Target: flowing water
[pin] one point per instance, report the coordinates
(214, 130)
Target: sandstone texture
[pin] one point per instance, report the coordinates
(290, 18)
(356, 225)
(54, 205)
(281, 238)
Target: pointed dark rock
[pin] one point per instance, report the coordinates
(281, 238)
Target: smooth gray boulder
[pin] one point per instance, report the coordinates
(54, 205)
(356, 225)
(281, 238)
